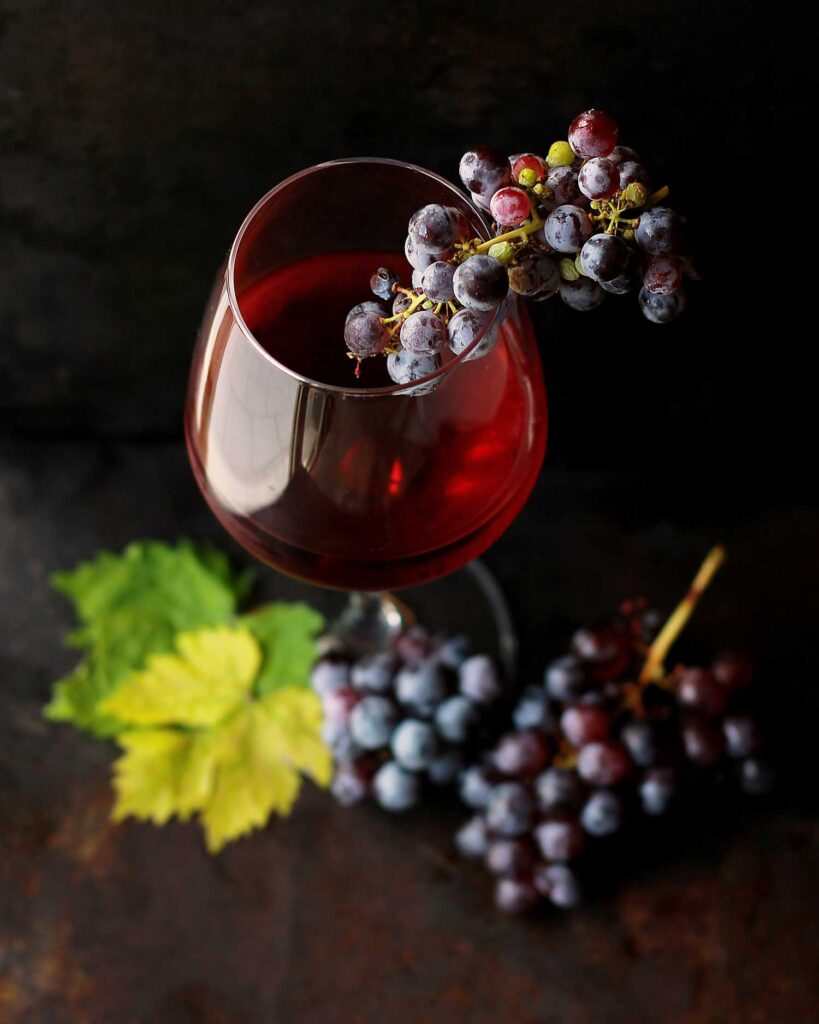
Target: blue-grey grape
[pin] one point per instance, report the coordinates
(424, 333)
(567, 228)
(481, 283)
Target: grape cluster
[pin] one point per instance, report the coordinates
(594, 746)
(405, 718)
(579, 222)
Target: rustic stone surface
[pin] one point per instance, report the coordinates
(337, 916)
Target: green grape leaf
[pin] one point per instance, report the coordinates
(132, 605)
(287, 635)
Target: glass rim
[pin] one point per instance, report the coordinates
(353, 392)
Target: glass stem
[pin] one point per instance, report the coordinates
(370, 622)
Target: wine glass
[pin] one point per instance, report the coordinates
(358, 484)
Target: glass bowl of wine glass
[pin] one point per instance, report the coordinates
(345, 482)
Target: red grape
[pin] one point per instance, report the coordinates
(592, 133)
(510, 207)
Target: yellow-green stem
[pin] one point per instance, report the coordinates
(654, 665)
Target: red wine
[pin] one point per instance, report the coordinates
(353, 490)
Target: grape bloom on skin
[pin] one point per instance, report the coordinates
(578, 222)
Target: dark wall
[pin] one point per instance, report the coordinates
(136, 135)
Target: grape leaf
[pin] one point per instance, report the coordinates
(202, 683)
(243, 760)
(287, 635)
(132, 605)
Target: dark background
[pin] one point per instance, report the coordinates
(134, 137)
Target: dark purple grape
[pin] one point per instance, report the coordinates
(567, 228)
(565, 679)
(342, 745)
(562, 183)
(630, 172)
(534, 276)
(454, 651)
(423, 333)
(366, 334)
(350, 785)
(372, 721)
(414, 645)
(510, 810)
(742, 737)
(663, 274)
(560, 840)
(585, 723)
(558, 884)
(478, 679)
(405, 367)
(515, 896)
(374, 672)
(472, 839)
(421, 260)
(657, 790)
(602, 813)
(371, 306)
(522, 753)
(603, 764)
(481, 283)
(733, 670)
(431, 229)
(414, 744)
(484, 170)
(436, 282)
(510, 858)
(598, 178)
(445, 768)
(698, 689)
(621, 154)
(464, 328)
(476, 786)
(757, 777)
(582, 294)
(381, 283)
(703, 741)
(639, 739)
(604, 257)
(532, 711)
(396, 789)
(661, 309)
(421, 688)
(628, 280)
(456, 718)
(329, 674)
(604, 650)
(480, 202)
(559, 789)
(417, 280)
(660, 231)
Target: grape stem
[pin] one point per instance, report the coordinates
(653, 669)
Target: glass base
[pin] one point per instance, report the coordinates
(468, 602)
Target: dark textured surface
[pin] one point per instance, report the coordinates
(135, 136)
(350, 916)
(133, 139)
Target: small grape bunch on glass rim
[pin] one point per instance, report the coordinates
(580, 222)
(454, 296)
(594, 214)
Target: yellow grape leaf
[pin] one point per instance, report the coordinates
(157, 776)
(235, 774)
(271, 740)
(211, 673)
